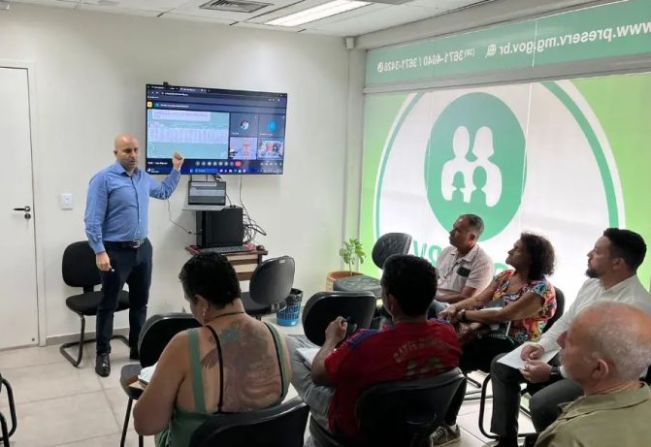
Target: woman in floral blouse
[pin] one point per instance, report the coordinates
(513, 309)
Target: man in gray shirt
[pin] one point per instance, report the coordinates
(464, 268)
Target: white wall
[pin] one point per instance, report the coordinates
(90, 74)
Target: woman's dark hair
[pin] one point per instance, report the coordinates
(541, 253)
(211, 276)
(412, 282)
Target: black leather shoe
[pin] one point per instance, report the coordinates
(133, 353)
(103, 365)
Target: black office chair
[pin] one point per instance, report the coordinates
(323, 307)
(279, 426)
(402, 413)
(389, 244)
(155, 335)
(5, 431)
(79, 270)
(560, 309)
(270, 285)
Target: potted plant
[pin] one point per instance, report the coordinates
(352, 253)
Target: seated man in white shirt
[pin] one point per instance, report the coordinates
(612, 266)
(464, 268)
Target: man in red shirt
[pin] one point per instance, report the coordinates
(414, 347)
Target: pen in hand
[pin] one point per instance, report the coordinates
(351, 326)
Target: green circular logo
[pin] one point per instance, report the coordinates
(475, 162)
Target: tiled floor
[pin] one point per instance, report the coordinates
(59, 405)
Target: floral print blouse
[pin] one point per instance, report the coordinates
(528, 329)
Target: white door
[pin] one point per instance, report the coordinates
(18, 303)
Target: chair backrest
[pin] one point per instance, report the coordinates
(78, 266)
(405, 413)
(390, 244)
(323, 307)
(158, 331)
(560, 308)
(279, 426)
(272, 281)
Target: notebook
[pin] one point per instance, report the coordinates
(514, 359)
(308, 355)
(146, 373)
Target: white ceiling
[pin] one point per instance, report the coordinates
(374, 17)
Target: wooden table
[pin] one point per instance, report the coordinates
(244, 262)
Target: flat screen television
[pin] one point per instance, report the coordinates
(217, 131)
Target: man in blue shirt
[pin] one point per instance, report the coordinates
(116, 225)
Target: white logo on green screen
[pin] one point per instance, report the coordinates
(451, 152)
(475, 162)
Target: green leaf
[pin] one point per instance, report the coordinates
(352, 253)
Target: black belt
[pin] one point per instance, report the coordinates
(125, 244)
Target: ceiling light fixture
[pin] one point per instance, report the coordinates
(317, 12)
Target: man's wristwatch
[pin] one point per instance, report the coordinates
(462, 316)
(555, 373)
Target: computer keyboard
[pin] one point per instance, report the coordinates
(229, 249)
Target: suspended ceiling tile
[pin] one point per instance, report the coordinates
(55, 3)
(193, 18)
(114, 10)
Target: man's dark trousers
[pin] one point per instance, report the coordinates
(544, 404)
(133, 266)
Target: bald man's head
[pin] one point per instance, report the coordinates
(126, 150)
(618, 335)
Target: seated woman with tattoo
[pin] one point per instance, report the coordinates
(233, 363)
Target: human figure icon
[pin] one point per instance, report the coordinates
(459, 184)
(459, 164)
(478, 196)
(483, 149)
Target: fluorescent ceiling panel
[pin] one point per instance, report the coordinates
(318, 12)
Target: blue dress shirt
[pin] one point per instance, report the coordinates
(117, 205)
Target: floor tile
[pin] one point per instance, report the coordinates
(117, 401)
(119, 358)
(37, 355)
(469, 423)
(469, 440)
(33, 383)
(99, 441)
(52, 422)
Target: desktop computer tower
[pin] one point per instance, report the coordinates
(220, 228)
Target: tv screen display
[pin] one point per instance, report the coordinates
(217, 131)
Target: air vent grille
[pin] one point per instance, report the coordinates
(243, 6)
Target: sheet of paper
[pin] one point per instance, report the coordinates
(514, 360)
(146, 373)
(308, 354)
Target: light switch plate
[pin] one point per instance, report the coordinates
(65, 201)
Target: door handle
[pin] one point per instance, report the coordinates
(26, 209)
